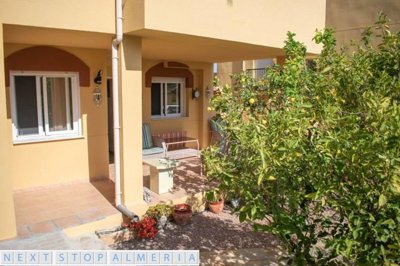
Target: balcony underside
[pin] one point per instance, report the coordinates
(180, 47)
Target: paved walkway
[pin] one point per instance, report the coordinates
(59, 241)
(54, 241)
(48, 209)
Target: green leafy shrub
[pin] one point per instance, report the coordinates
(316, 151)
(161, 209)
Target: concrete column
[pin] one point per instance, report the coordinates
(8, 227)
(131, 123)
(224, 72)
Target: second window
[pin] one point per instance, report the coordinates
(167, 97)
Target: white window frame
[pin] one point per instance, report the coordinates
(44, 133)
(182, 102)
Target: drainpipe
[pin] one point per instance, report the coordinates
(115, 79)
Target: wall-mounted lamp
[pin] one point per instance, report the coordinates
(97, 97)
(208, 92)
(195, 94)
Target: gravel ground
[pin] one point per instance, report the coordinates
(207, 231)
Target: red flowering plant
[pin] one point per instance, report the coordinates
(145, 228)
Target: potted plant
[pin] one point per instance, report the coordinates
(215, 201)
(182, 213)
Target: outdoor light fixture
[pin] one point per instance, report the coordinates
(195, 94)
(97, 97)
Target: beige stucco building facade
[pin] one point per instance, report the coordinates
(348, 18)
(52, 51)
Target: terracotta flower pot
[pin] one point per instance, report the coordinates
(217, 206)
(182, 213)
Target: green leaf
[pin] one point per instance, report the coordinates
(253, 211)
(310, 196)
(371, 217)
(260, 178)
(323, 201)
(355, 234)
(242, 217)
(395, 184)
(326, 69)
(306, 105)
(393, 246)
(264, 164)
(385, 102)
(389, 222)
(382, 200)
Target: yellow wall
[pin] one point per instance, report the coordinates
(261, 22)
(7, 222)
(87, 15)
(133, 13)
(192, 123)
(43, 163)
(226, 20)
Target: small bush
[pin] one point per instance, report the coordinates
(143, 229)
(161, 209)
